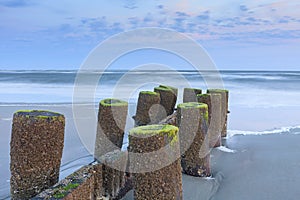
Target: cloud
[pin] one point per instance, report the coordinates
(160, 6)
(148, 18)
(203, 17)
(181, 14)
(15, 3)
(243, 8)
(130, 4)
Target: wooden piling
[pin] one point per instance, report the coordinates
(168, 98)
(110, 127)
(190, 94)
(147, 108)
(192, 119)
(162, 183)
(213, 101)
(36, 146)
(224, 102)
(114, 167)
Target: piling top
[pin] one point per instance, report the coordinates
(193, 89)
(156, 129)
(38, 114)
(149, 93)
(217, 90)
(113, 102)
(191, 105)
(166, 88)
(195, 105)
(204, 95)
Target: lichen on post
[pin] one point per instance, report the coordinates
(112, 116)
(224, 103)
(36, 146)
(192, 119)
(147, 108)
(213, 102)
(155, 179)
(168, 98)
(190, 94)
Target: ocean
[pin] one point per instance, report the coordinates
(260, 102)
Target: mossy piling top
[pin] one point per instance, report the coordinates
(151, 130)
(149, 93)
(113, 102)
(38, 114)
(204, 95)
(166, 88)
(191, 105)
(217, 90)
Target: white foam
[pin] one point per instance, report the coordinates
(225, 149)
(5, 119)
(232, 133)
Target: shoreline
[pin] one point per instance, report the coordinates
(252, 159)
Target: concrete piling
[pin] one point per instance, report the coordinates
(37, 142)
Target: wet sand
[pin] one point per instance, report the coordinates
(262, 167)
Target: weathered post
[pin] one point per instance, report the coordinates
(168, 98)
(224, 111)
(111, 125)
(192, 119)
(37, 142)
(213, 102)
(190, 94)
(157, 176)
(147, 108)
(114, 167)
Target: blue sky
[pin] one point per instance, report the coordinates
(238, 34)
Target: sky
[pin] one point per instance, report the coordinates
(237, 34)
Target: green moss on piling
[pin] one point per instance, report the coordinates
(203, 95)
(217, 90)
(113, 102)
(61, 192)
(192, 105)
(157, 129)
(149, 93)
(163, 88)
(195, 105)
(40, 114)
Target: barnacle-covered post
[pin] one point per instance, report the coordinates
(190, 94)
(147, 108)
(213, 102)
(224, 111)
(168, 98)
(192, 119)
(36, 146)
(112, 116)
(157, 168)
(113, 172)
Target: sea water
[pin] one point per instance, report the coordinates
(261, 102)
